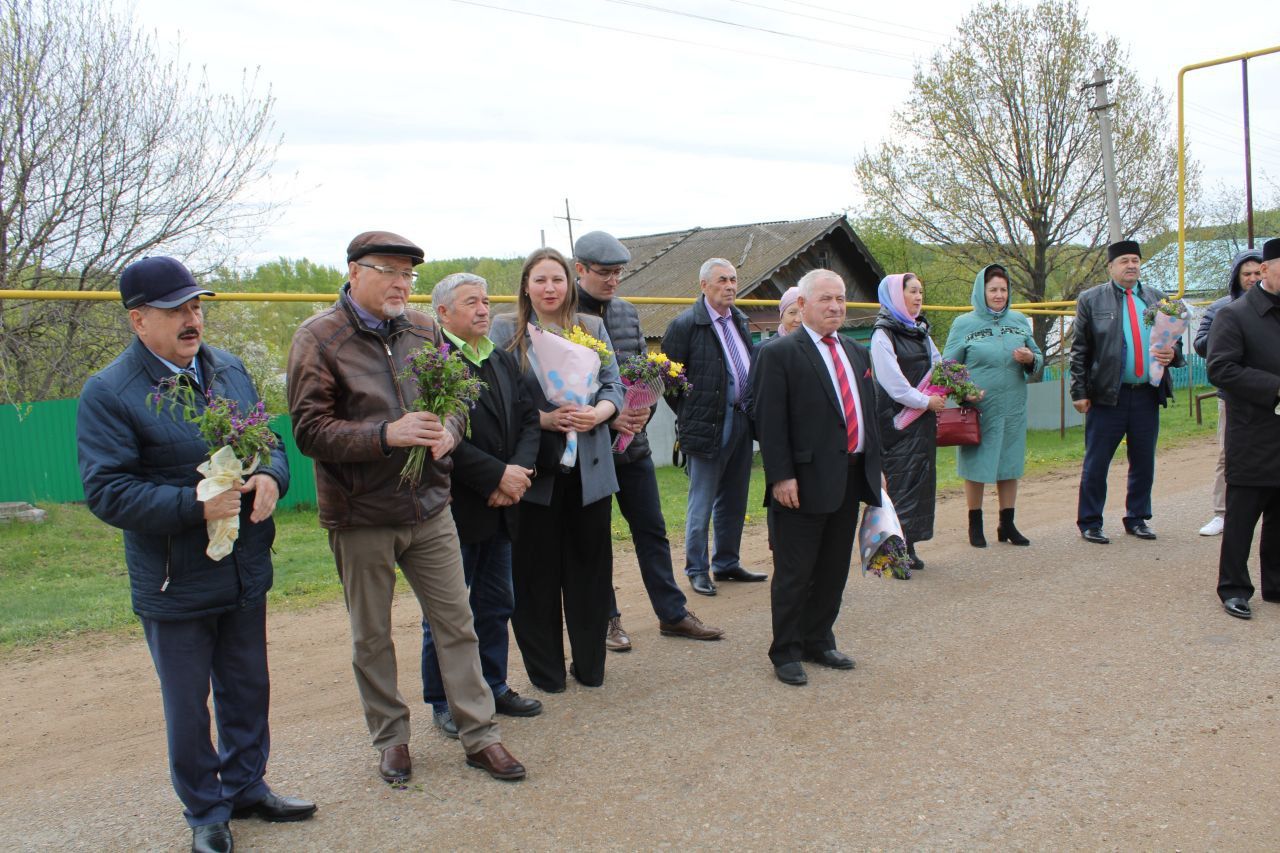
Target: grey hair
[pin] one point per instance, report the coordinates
(710, 264)
(443, 293)
(812, 277)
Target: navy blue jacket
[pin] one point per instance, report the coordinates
(139, 472)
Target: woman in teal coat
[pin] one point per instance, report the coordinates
(1001, 353)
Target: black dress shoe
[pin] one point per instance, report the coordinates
(277, 809)
(1094, 535)
(212, 838)
(1238, 607)
(701, 583)
(831, 658)
(791, 673)
(740, 574)
(513, 704)
(1141, 531)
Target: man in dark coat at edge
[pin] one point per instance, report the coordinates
(714, 422)
(598, 260)
(1110, 384)
(1244, 361)
(204, 620)
(492, 468)
(814, 405)
(1246, 270)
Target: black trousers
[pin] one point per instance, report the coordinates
(641, 506)
(811, 557)
(563, 553)
(1245, 504)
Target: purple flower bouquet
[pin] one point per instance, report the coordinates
(648, 378)
(446, 386)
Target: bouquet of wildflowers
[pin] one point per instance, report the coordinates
(881, 544)
(648, 377)
(946, 378)
(446, 386)
(237, 444)
(1168, 319)
(579, 336)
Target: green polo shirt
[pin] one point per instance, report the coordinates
(477, 354)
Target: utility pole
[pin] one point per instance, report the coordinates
(1100, 107)
(569, 220)
(1248, 154)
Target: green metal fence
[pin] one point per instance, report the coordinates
(38, 461)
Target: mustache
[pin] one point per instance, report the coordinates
(188, 330)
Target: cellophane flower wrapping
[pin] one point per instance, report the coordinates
(881, 543)
(648, 377)
(1168, 320)
(568, 372)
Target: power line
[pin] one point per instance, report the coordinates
(674, 40)
(837, 23)
(637, 4)
(865, 18)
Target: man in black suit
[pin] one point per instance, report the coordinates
(491, 470)
(821, 458)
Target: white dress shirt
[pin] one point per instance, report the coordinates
(885, 363)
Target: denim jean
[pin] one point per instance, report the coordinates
(486, 567)
(718, 498)
(641, 506)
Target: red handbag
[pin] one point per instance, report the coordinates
(959, 425)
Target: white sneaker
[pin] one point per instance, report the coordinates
(1213, 528)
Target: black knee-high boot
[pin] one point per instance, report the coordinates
(977, 538)
(1006, 532)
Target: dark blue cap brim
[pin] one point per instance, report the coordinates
(179, 296)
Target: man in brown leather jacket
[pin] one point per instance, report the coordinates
(351, 415)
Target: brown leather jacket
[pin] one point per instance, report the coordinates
(343, 390)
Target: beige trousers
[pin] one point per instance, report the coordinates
(1220, 473)
(429, 557)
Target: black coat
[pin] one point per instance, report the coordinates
(800, 421)
(691, 339)
(504, 431)
(1244, 361)
(911, 454)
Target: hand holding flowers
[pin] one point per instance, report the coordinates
(647, 378)
(1168, 319)
(446, 387)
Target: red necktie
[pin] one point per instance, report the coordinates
(1137, 334)
(846, 394)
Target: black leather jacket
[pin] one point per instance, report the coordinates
(1098, 349)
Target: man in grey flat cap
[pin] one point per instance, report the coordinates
(599, 259)
(350, 414)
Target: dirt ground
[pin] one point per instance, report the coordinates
(1064, 695)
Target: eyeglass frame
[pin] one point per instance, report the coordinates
(410, 275)
(616, 274)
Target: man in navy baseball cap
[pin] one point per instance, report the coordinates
(160, 282)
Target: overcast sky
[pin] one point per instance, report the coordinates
(464, 124)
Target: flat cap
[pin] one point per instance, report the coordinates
(160, 282)
(382, 243)
(1271, 250)
(1123, 247)
(599, 247)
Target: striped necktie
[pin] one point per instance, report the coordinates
(846, 393)
(735, 361)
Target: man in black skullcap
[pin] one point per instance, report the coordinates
(1111, 358)
(1244, 361)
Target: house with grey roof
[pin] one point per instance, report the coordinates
(770, 257)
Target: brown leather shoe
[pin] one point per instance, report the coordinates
(616, 639)
(396, 766)
(692, 627)
(499, 763)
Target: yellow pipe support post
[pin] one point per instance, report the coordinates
(1182, 154)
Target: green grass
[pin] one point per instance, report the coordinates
(66, 577)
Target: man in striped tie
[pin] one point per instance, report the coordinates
(1111, 354)
(814, 407)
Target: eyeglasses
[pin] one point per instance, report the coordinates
(615, 274)
(407, 275)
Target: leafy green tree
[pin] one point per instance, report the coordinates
(996, 157)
